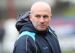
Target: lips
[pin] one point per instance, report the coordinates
(42, 26)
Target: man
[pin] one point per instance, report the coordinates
(35, 34)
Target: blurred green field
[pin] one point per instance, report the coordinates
(68, 51)
(62, 52)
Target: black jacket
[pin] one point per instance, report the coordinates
(45, 41)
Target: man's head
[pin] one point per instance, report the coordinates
(40, 15)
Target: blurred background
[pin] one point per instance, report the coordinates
(63, 22)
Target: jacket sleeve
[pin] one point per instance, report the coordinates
(22, 45)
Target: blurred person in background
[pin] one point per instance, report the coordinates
(35, 34)
(10, 35)
(2, 32)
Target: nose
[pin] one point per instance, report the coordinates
(41, 20)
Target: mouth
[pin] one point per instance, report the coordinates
(42, 26)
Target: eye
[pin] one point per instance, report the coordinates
(38, 16)
(45, 16)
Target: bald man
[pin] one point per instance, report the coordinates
(36, 36)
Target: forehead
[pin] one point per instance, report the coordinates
(41, 11)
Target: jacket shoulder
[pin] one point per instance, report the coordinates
(52, 32)
(24, 42)
(24, 33)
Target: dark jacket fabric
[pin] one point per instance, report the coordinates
(45, 41)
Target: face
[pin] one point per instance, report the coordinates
(40, 19)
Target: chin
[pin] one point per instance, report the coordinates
(41, 29)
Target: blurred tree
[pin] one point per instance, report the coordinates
(10, 9)
(60, 7)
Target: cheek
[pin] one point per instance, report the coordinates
(47, 21)
(35, 22)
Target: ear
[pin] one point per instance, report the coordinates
(50, 16)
